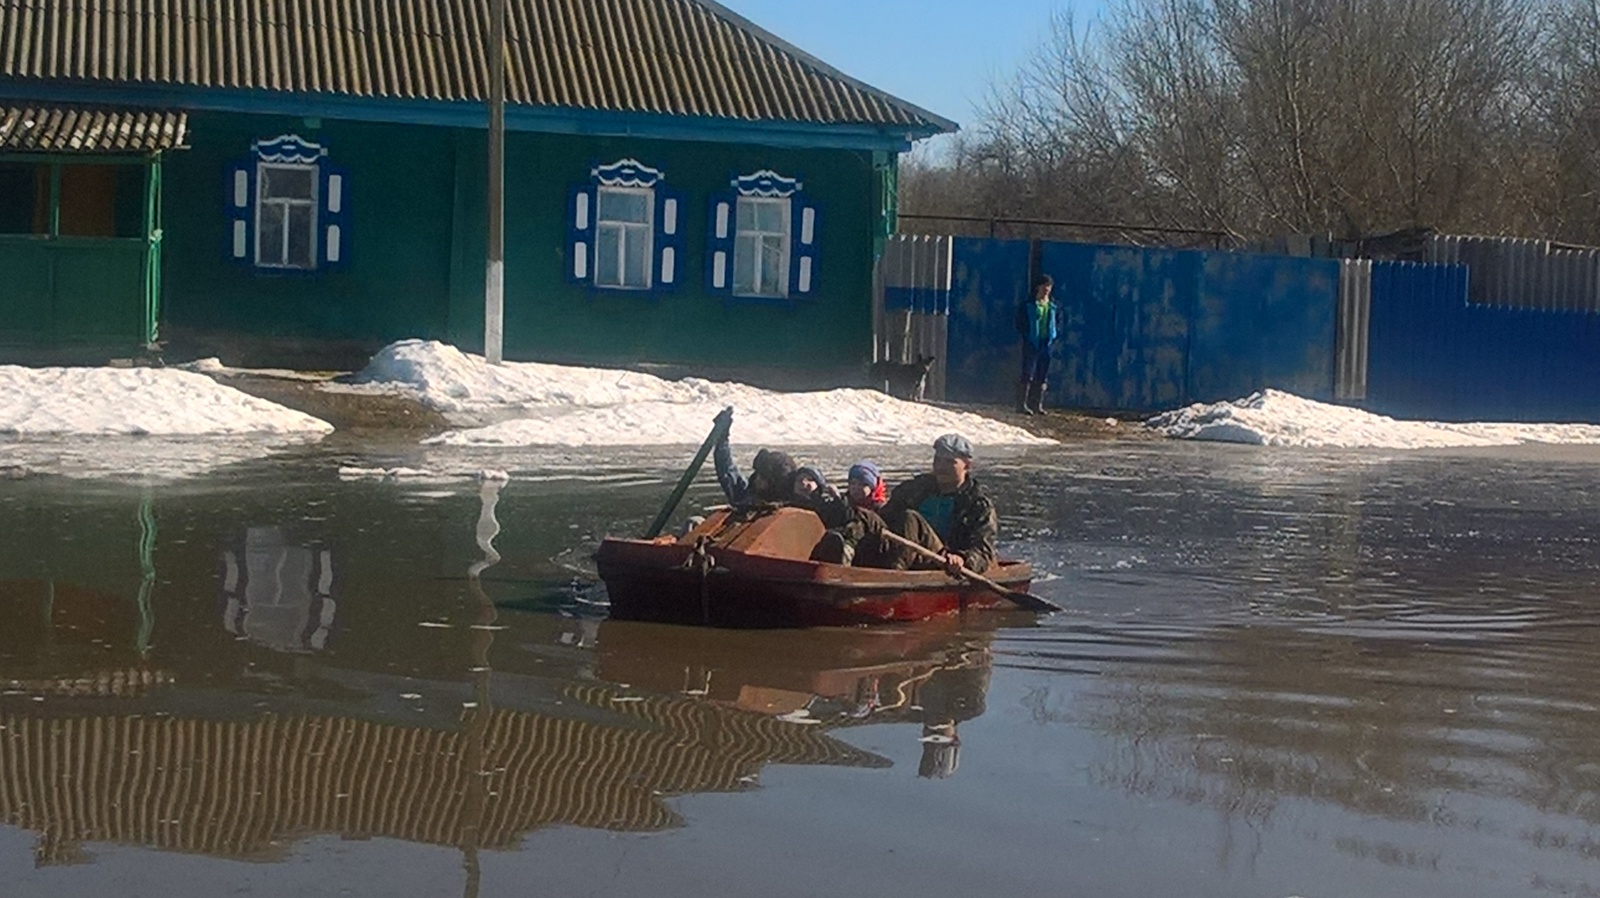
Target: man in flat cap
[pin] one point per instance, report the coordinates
(945, 511)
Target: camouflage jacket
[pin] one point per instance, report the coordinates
(973, 528)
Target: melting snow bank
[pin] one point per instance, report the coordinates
(559, 405)
(136, 401)
(1274, 418)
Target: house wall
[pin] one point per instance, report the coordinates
(415, 250)
(547, 317)
(400, 194)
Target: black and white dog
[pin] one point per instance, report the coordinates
(904, 380)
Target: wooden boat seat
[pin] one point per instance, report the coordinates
(774, 533)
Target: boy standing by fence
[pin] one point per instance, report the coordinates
(1036, 323)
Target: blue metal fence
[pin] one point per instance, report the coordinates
(1434, 355)
(1146, 329)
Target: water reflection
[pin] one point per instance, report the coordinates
(434, 717)
(935, 675)
(278, 595)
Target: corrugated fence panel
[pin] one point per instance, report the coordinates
(1436, 355)
(1516, 273)
(1263, 321)
(1125, 324)
(1355, 310)
(1146, 329)
(991, 277)
(910, 316)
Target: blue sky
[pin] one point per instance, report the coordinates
(939, 54)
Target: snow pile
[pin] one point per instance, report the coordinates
(136, 401)
(1274, 418)
(558, 405)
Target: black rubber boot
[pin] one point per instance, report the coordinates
(1023, 395)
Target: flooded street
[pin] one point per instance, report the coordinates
(1281, 673)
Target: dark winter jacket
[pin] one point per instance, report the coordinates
(972, 528)
(1028, 324)
(777, 468)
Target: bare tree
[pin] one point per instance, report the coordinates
(1267, 117)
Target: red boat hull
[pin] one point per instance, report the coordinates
(661, 580)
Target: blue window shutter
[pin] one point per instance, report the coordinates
(239, 205)
(804, 235)
(724, 221)
(580, 233)
(334, 241)
(669, 238)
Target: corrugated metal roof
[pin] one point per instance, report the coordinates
(81, 129)
(682, 57)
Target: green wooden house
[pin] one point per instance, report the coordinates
(682, 187)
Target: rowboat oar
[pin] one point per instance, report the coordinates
(1025, 600)
(718, 432)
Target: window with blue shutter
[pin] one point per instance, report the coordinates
(625, 229)
(767, 232)
(669, 238)
(719, 244)
(336, 217)
(288, 208)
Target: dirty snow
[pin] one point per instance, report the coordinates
(1275, 418)
(136, 402)
(533, 404)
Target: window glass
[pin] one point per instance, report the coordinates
(631, 206)
(286, 216)
(285, 183)
(624, 236)
(761, 247)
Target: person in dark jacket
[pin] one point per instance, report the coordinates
(944, 511)
(771, 479)
(1038, 326)
(809, 489)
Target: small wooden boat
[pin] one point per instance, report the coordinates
(744, 570)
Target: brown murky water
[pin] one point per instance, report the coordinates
(1282, 674)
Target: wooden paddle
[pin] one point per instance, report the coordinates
(1025, 600)
(718, 432)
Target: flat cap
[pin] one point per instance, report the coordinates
(953, 444)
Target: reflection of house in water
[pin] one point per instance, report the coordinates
(239, 788)
(835, 677)
(278, 595)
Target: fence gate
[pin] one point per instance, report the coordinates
(911, 304)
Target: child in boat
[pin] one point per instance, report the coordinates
(867, 488)
(771, 478)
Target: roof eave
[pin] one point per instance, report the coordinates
(465, 114)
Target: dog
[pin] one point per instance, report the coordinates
(904, 380)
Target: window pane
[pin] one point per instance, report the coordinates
(744, 264)
(269, 240)
(636, 258)
(286, 183)
(606, 272)
(774, 217)
(300, 237)
(774, 266)
(747, 214)
(617, 205)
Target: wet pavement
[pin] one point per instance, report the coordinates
(1282, 673)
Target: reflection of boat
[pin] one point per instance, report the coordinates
(833, 676)
(736, 571)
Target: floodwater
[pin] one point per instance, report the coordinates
(1282, 673)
